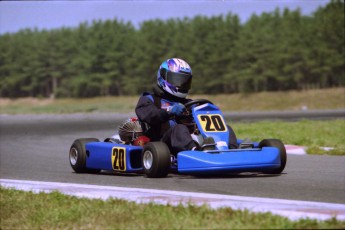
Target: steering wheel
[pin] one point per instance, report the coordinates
(189, 104)
(187, 118)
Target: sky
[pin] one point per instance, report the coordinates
(17, 15)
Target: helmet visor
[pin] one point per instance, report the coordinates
(180, 80)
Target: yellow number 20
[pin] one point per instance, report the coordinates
(212, 123)
(118, 159)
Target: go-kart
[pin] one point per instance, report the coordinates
(205, 121)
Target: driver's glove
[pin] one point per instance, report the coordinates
(177, 109)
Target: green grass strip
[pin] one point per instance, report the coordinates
(27, 210)
(320, 99)
(309, 133)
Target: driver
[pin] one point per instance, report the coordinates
(158, 111)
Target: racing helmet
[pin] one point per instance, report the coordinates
(175, 77)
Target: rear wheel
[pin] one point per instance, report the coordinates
(78, 154)
(282, 151)
(156, 159)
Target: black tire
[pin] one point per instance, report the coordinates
(77, 156)
(156, 159)
(282, 151)
(232, 138)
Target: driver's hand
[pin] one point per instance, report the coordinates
(177, 109)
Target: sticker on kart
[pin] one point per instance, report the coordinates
(118, 159)
(212, 123)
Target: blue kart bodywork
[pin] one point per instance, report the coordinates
(127, 158)
(251, 160)
(112, 156)
(210, 123)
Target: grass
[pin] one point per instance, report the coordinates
(65, 106)
(27, 210)
(292, 100)
(289, 101)
(313, 134)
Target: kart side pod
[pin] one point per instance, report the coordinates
(112, 156)
(266, 159)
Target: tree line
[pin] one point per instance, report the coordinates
(280, 50)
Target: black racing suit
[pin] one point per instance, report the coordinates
(157, 123)
(158, 126)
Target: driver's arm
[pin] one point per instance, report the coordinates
(147, 112)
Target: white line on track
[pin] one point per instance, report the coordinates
(291, 209)
(295, 149)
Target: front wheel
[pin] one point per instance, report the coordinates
(156, 159)
(78, 154)
(282, 151)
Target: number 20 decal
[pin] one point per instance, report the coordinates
(212, 123)
(118, 159)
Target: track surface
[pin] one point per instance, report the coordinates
(36, 148)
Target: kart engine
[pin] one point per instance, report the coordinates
(131, 132)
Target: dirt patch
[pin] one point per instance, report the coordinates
(4, 101)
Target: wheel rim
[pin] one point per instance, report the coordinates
(73, 156)
(148, 159)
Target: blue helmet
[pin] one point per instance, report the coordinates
(175, 77)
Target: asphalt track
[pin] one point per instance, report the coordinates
(36, 148)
